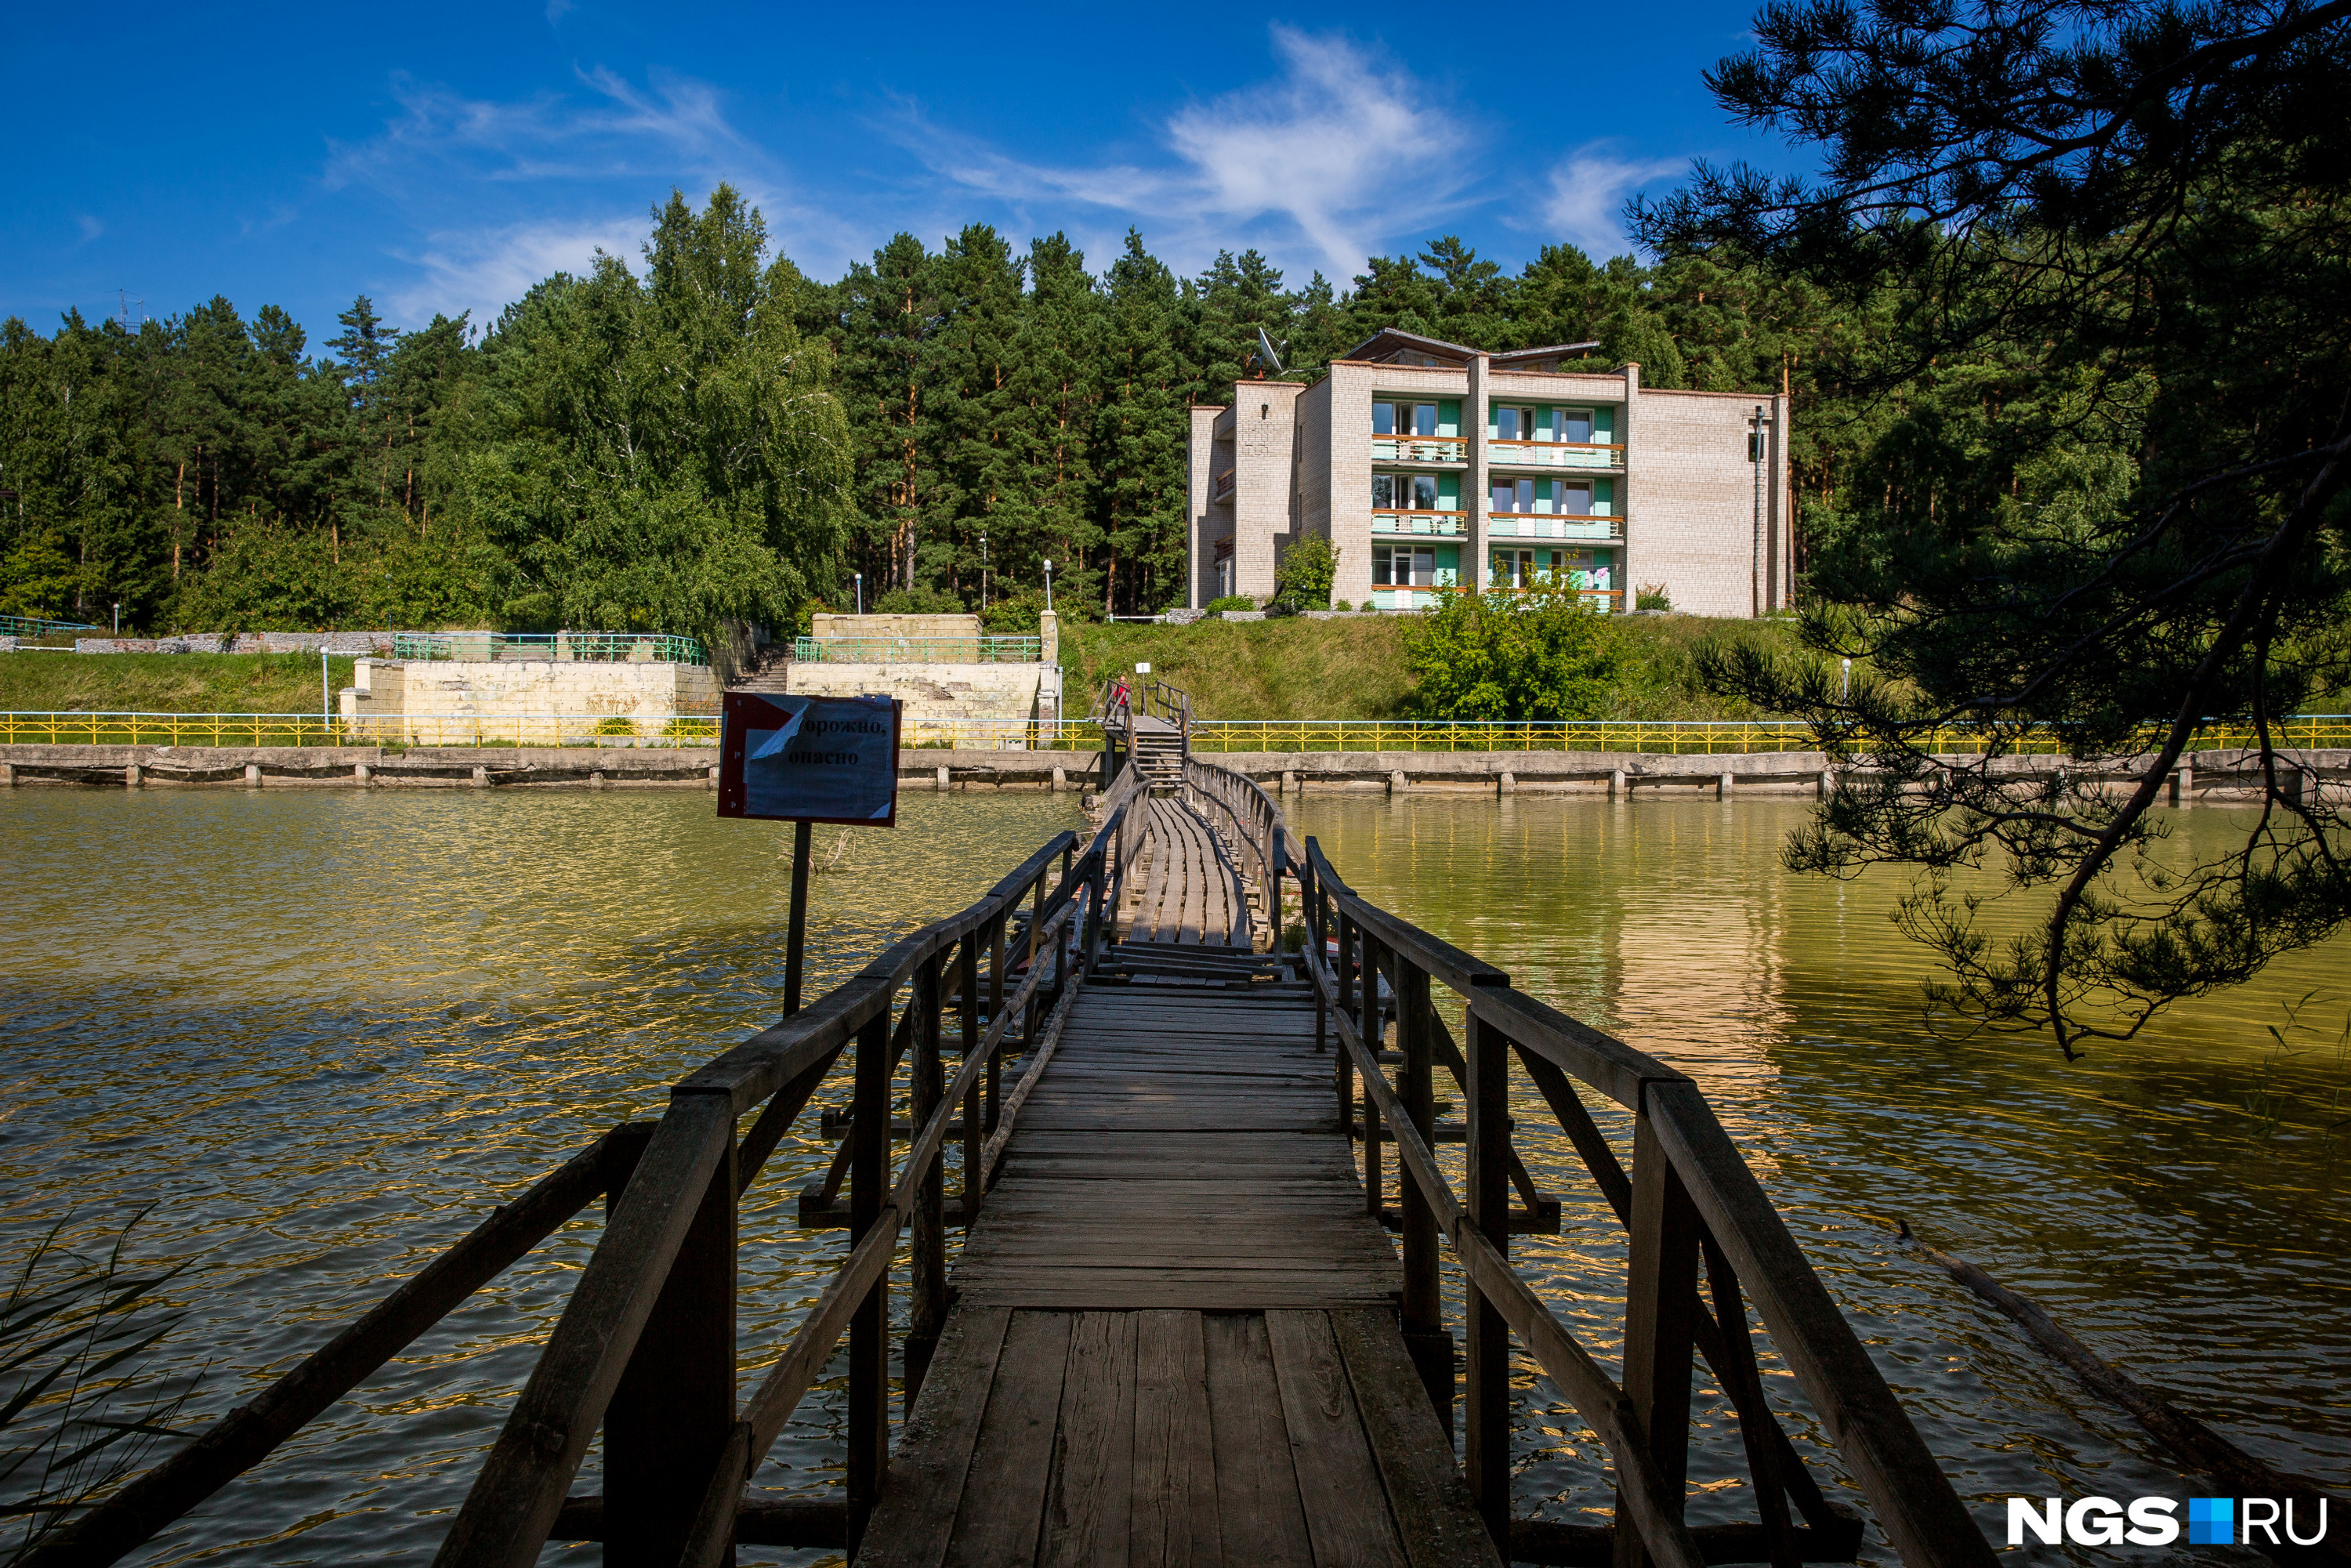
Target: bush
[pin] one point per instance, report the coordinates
(1651, 596)
(917, 601)
(1231, 601)
(617, 724)
(1015, 614)
(1308, 570)
(1535, 655)
(1343, 604)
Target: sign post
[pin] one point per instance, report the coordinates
(806, 760)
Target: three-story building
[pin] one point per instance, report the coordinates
(1434, 468)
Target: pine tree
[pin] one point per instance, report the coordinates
(888, 314)
(1142, 435)
(967, 368)
(1049, 422)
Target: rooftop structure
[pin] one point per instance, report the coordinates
(1434, 468)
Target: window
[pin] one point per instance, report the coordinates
(1383, 492)
(1382, 419)
(1424, 492)
(1575, 500)
(1514, 425)
(1575, 424)
(1525, 567)
(1400, 566)
(1404, 419)
(1514, 494)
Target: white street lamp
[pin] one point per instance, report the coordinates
(1049, 585)
(861, 591)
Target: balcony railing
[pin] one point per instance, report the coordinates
(1583, 527)
(1399, 520)
(1420, 449)
(1555, 453)
(1220, 489)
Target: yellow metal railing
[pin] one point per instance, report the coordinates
(2300, 733)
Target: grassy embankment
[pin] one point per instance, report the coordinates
(165, 682)
(1355, 666)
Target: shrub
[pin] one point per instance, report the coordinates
(1015, 614)
(1343, 604)
(617, 724)
(1651, 596)
(1231, 601)
(1542, 654)
(917, 601)
(1308, 570)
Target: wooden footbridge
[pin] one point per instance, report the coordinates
(1177, 1330)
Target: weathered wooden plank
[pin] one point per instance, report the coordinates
(911, 1526)
(1434, 1513)
(1003, 1500)
(1174, 1520)
(1089, 1506)
(1337, 1477)
(1259, 1519)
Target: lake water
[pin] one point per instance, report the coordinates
(323, 1033)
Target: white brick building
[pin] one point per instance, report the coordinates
(1434, 468)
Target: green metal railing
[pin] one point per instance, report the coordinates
(37, 626)
(989, 650)
(562, 647)
(1672, 737)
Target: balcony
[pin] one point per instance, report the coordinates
(1414, 598)
(1555, 454)
(1420, 449)
(1583, 530)
(1386, 521)
(1220, 489)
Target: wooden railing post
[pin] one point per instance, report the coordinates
(1317, 913)
(967, 1010)
(1374, 1184)
(1660, 1299)
(994, 1009)
(869, 1331)
(1344, 1064)
(1486, 1402)
(929, 1295)
(675, 1406)
(1425, 1335)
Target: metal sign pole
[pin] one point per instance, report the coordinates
(796, 943)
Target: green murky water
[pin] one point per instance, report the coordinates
(325, 1031)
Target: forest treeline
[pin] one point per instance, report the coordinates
(704, 433)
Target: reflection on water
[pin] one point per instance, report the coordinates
(325, 1031)
(2177, 1202)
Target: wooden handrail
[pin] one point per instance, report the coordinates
(1690, 1201)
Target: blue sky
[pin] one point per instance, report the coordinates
(442, 157)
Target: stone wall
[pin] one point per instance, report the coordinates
(935, 626)
(971, 705)
(418, 701)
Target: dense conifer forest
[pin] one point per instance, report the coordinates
(703, 432)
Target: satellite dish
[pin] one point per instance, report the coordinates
(1265, 351)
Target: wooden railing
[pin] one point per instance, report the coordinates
(1705, 1241)
(645, 1347)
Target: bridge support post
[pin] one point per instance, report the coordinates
(1425, 1335)
(929, 1298)
(1486, 1389)
(671, 1414)
(869, 1331)
(967, 1014)
(1660, 1301)
(1374, 1182)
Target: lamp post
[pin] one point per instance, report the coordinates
(1845, 680)
(983, 571)
(861, 591)
(1049, 585)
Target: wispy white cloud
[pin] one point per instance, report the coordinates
(1588, 188)
(484, 272)
(89, 226)
(1344, 150)
(625, 131)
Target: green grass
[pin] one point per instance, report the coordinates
(165, 682)
(1356, 667)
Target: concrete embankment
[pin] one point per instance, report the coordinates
(2221, 773)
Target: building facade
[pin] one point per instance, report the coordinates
(1434, 468)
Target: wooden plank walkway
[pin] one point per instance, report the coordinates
(1175, 1338)
(1184, 890)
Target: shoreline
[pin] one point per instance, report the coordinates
(2228, 773)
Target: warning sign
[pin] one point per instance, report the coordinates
(811, 759)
